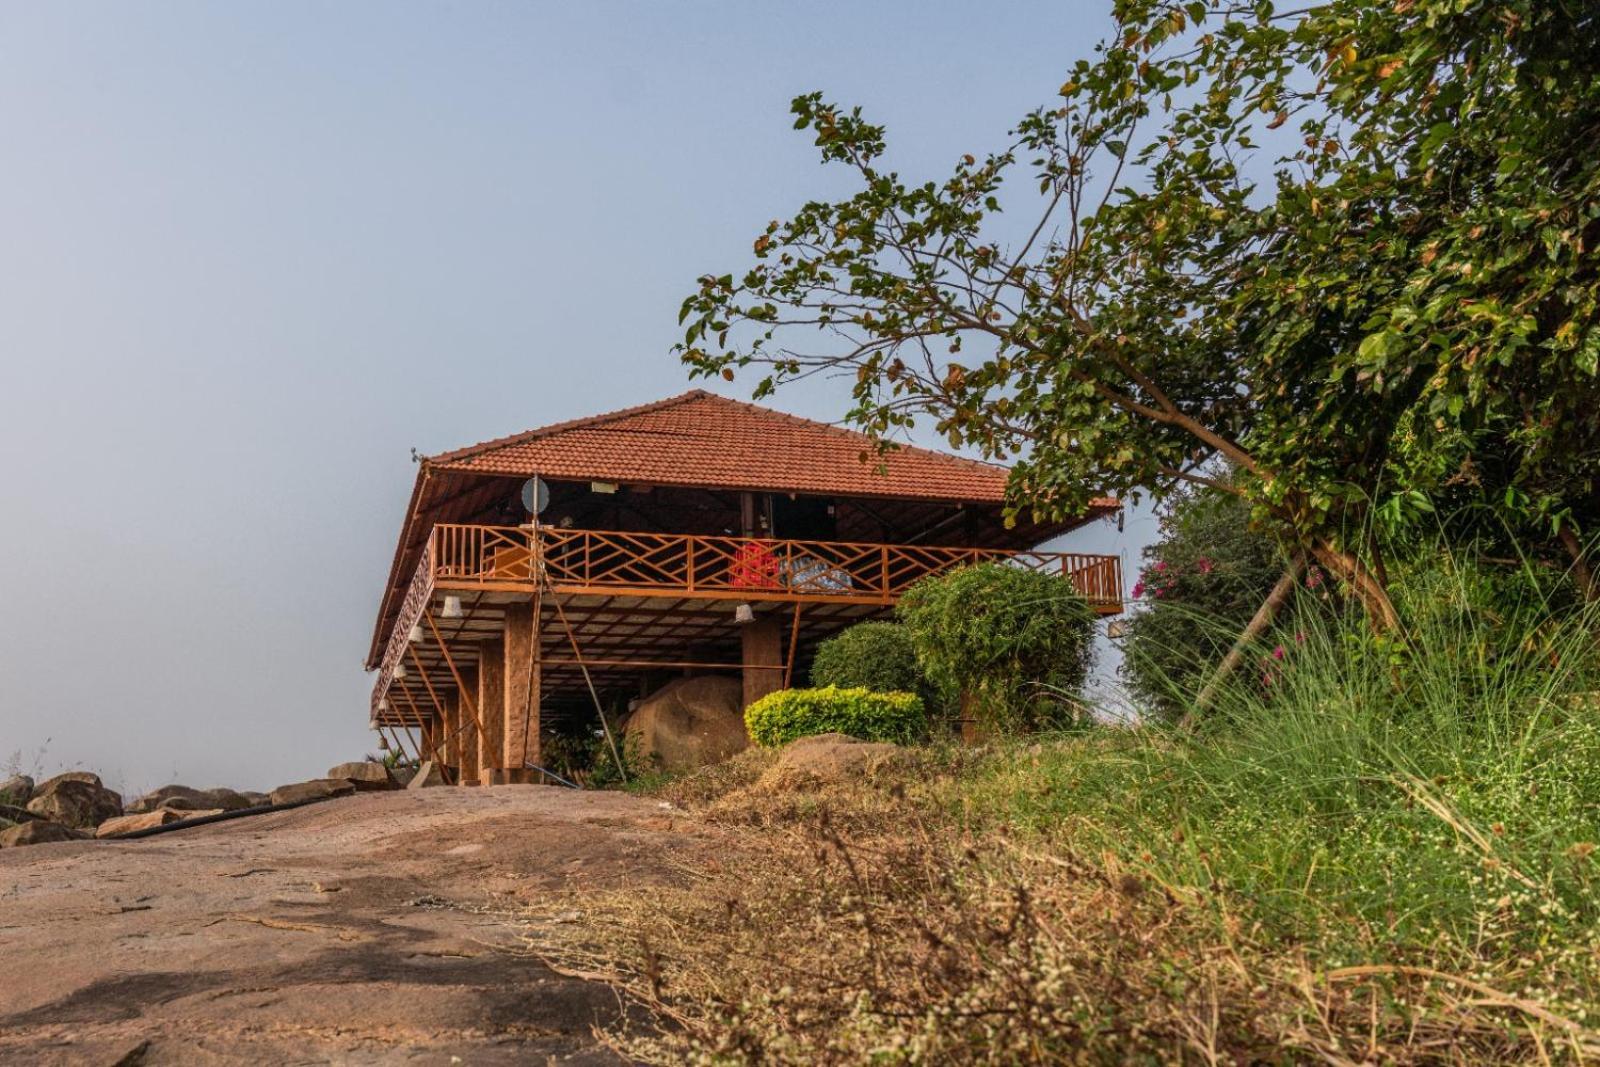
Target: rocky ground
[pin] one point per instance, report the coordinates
(369, 929)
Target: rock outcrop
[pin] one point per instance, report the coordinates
(828, 758)
(689, 723)
(184, 798)
(18, 790)
(364, 775)
(68, 776)
(38, 832)
(75, 802)
(139, 821)
(315, 789)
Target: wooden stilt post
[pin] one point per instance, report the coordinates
(492, 769)
(762, 647)
(523, 666)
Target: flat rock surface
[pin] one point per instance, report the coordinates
(373, 929)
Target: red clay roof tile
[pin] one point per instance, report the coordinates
(703, 440)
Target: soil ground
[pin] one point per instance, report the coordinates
(381, 928)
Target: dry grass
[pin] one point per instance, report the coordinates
(866, 923)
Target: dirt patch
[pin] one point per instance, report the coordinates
(369, 930)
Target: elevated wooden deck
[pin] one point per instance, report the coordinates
(637, 595)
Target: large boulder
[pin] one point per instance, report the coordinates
(315, 789)
(364, 774)
(689, 723)
(139, 821)
(75, 802)
(427, 776)
(68, 776)
(18, 790)
(38, 832)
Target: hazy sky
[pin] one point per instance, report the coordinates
(252, 253)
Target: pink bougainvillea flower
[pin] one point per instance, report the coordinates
(1300, 637)
(1277, 653)
(1313, 578)
(1138, 590)
(1161, 565)
(1266, 678)
(1160, 591)
(1204, 565)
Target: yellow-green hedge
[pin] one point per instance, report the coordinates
(781, 717)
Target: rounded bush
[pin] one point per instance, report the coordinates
(870, 655)
(790, 714)
(1018, 642)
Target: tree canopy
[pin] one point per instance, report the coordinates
(1346, 249)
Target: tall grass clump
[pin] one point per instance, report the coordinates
(1431, 801)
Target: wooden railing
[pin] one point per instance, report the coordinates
(758, 568)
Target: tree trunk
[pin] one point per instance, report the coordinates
(1258, 623)
(1363, 582)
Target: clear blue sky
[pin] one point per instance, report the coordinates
(252, 253)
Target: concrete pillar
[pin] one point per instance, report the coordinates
(491, 698)
(468, 735)
(521, 685)
(762, 642)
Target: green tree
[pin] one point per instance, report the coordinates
(1346, 248)
(1018, 642)
(878, 656)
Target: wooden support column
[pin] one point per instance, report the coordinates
(467, 731)
(491, 701)
(763, 650)
(492, 704)
(520, 711)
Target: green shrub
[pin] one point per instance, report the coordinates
(781, 717)
(1020, 642)
(871, 655)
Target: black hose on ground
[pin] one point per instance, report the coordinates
(220, 816)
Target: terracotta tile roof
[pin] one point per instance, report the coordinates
(703, 440)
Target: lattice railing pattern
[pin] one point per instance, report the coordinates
(418, 593)
(758, 567)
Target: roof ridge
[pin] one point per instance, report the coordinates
(853, 433)
(469, 451)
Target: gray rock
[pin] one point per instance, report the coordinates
(75, 802)
(18, 790)
(365, 774)
(39, 832)
(427, 775)
(315, 789)
(402, 776)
